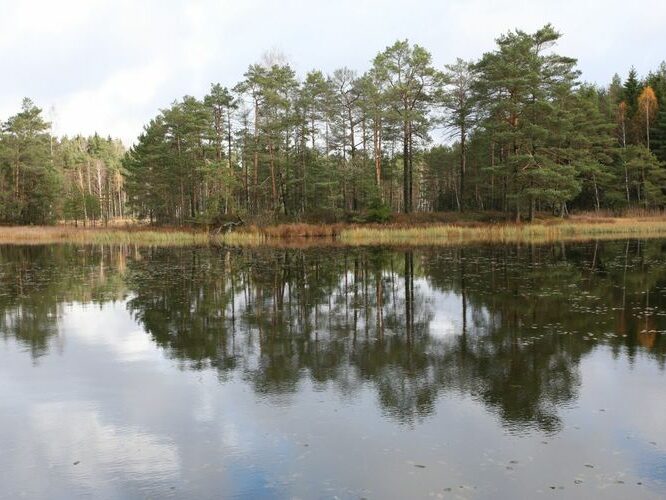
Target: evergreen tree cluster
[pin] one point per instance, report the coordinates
(515, 132)
(44, 179)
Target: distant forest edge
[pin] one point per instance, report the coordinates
(519, 134)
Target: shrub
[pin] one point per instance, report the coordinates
(378, 212)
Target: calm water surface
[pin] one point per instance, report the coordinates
(478, 372)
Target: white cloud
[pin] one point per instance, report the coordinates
(98, 109)
(73, 431)
(111, 327)
(26, 21)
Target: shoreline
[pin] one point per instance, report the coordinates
(302, 235)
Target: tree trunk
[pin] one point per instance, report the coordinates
(273, 183)
(463, 160)
(406, 188)
(409, 169)
(231, 172)
(377, 143)
(256, 155)
(596, 193)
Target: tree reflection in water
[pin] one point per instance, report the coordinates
(506, 325)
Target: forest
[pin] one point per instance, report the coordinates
(516, 133)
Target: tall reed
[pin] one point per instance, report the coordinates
(505, 233)
(299, 235)
(39, 235)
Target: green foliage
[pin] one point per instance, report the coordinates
(43, 179)
(527, 138)
(630, 91)
(647, 176)
(658, 134)
(408, 81)
(30, 183)
(525, 91)
(378, 211)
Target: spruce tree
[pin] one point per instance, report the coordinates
(658, 136)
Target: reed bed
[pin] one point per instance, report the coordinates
(550, 231)
(292, 235)
(41, 235)
(302, 231)
(309, 235)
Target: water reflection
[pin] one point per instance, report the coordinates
(37, 282)
(507, 326)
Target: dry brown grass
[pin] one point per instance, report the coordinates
(302, 231)
(548, 231)
(39, 235)
(582, 227)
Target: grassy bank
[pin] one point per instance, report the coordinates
(399, 234)
(550, 231)
(41, 235)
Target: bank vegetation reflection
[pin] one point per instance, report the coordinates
(506, 326)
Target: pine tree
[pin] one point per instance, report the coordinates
(30, 182)
(408, 79)
(590, 147)
(458, 102)
(647, 176)
(523, 91)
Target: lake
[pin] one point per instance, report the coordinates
(469, 372)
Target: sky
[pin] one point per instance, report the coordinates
(109, 66)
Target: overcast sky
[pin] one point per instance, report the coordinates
(109, 66)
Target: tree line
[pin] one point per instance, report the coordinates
(44, 179)
(514, 132)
